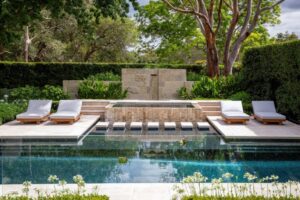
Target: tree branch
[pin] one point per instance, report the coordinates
(189, 11)
(272, 6)
(219, 16)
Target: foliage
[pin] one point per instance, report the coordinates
(184, 93)
(192, 76)
(25, 93)
(272, 72)
(60, 197)
(288, 99)
(53, 93)
(31, 92)
(194, 187)
(17, 74)
(177, 35)
(285, 37)
(122, 160)
(245, 98)
(206, 87)
(61, 194)
(8, 111)
(63, 40)
(107, 76)
(94, 89)
(195, 197)
(15, 15)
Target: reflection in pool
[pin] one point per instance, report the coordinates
(155, 159)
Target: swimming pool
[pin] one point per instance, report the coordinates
(159, 158)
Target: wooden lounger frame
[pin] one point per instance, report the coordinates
(66, 120)
(266, 121)
(33, 120)
(231, 121)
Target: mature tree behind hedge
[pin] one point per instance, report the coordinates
(273, 72)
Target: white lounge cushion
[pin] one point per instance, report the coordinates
(69, 106)
(26, 115)
(64, 115)
(270, 115)
(263, 106)
(235, 115)
(36, 109)
(231, 106)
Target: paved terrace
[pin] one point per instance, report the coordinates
(47, 130)
(255, 130)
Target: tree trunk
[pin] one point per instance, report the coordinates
(212, 56)
(26, 44)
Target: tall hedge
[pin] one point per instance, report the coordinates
(273, 72)
(13, 74)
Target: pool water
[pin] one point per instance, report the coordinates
(150, 160)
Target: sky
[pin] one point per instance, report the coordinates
(290, 17)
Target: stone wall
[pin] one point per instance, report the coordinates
(144, 84)
(153, 84)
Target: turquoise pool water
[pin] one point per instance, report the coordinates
(150, 160)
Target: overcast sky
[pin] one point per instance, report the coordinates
(290, 17)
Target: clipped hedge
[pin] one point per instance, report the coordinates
(273, 72)
(17, 74)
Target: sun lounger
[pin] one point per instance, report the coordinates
(68, 111)
(265, 112)
(232, 112)
(38, 111)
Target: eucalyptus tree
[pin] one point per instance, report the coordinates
(212, 16)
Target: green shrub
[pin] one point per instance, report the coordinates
(221, 87)
(245, 98)
(267, 70)
(8, 111)
(16, 74)
(93, 89)
(107, 76)
(206, 87)
(24, 93)
(184, 93)
(288, 99)
(192, 76)
(31, 92)
(53, 92)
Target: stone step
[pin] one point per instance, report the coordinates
(209, 103)
(211, 108)
(92, 112)
(100, 108)
(94, 103)
(211, 113)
